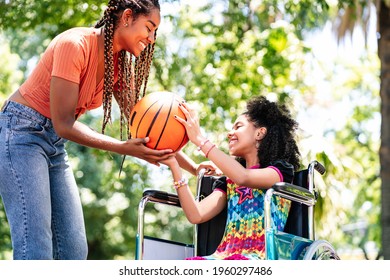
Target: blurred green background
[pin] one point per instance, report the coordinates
(319, 57)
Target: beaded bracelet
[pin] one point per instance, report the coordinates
(181, 183)
(202, 144)
(207, 153)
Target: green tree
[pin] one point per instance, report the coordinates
(37, 22)
(216, 56)
(353, 14)
(384, 152)
(10, 78)
(10, 75)
(225, 61)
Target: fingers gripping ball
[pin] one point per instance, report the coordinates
(153, 117)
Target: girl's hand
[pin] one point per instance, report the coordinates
(136, 147)
(191, 124)
(211, 168)
(171, 162)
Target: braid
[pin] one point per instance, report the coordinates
(108, 91)
(121, 84)
(148, 65)
(133, 73)
(143, 63)
(131, 96)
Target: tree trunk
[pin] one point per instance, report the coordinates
(384, 153)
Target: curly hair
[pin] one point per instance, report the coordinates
(133, 72)
(279, 143)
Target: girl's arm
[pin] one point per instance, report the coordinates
(186, 163)
(264, 177)
(253, 178)
(195, 211)
(189, 165)
(63, 103)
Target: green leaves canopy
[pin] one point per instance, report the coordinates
(217, 56)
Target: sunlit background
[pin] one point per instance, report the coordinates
(217, 54)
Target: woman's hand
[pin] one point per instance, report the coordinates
(63, 102)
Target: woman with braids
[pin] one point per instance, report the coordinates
(262, 142)
(82, 69)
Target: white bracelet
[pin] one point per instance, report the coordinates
(181, 183)
(202, 144)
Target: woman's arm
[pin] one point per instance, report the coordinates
(63, 103)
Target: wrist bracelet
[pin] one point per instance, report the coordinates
(207, 153)
(202, 144)
(181, 183)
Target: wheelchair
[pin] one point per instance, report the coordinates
(295, 242)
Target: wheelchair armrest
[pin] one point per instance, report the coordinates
(294, 193)
(157, 196)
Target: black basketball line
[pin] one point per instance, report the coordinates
(132, 118)
(153, 121)
(166, 121)
(140, 121)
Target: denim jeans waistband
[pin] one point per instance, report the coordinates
(27, 112)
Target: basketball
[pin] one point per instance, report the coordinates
(153, 117)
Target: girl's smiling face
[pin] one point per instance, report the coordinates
(243, 137)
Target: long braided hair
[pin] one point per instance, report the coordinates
(279, 142)
(133, 72)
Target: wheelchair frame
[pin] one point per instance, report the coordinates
(162, 197)
(304, 247)
(278, 245)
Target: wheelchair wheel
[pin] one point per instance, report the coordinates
(321, 250)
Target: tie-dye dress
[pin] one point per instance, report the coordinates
(244, 233)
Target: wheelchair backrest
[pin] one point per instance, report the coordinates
(297, 221)
(209, 234)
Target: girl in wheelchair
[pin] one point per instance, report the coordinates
(263, 151)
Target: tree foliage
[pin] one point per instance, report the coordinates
(217, 56)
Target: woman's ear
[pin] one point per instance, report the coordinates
(127, 17)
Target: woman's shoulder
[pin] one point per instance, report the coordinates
(77, 40)
(76, 36)
(79, 31)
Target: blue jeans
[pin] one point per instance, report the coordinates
(38, 188)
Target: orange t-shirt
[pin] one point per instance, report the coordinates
(72, 55)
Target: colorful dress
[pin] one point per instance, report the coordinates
(244, 232)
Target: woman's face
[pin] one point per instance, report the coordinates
(242, 138)
(135, 35)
